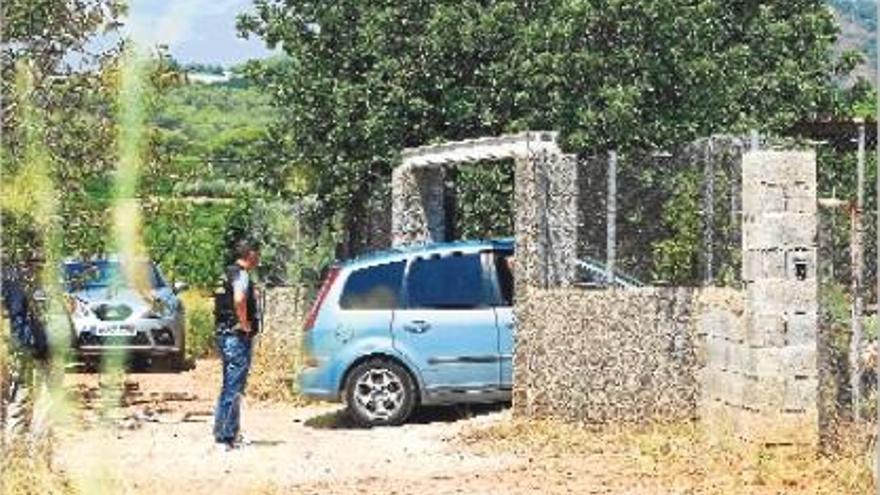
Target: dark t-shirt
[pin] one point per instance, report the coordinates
(235, 279)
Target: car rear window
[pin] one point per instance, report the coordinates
(376, 287)
(449, 282)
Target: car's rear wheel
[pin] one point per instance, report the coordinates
(380, 392)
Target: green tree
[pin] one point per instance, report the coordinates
(74, 97)
(364, 79)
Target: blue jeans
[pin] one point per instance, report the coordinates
(235, 350)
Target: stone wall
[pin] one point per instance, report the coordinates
(283, 312)
(417, 205)
(743, 362)
(640, 355)
(615, 355)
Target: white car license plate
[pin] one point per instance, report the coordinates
(116, 331)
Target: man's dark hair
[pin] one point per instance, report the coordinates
(245, 246)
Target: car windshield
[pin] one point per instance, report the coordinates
(101, 274)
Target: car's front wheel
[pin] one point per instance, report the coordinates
(379, 392)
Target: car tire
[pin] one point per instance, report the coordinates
(178, 362)
(379, 392)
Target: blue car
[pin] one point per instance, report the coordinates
(426, 325)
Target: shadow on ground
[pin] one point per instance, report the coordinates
(339, 420)
(134, 364)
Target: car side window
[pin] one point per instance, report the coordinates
(375, 287)
(447, 282)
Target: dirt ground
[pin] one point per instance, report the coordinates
(161, 441)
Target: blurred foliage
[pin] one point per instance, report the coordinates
(75, 104)
(200, 332)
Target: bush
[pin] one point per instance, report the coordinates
(199, 307)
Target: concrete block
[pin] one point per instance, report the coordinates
(800, 296)
(732, 387)
(801, 199)
(765, 362)
(764, 394)
(717, 350)
(710, 383)
(752, 263)
(800, 360)
(801, 395)
(797, 230)
(769, 231)
(773, 263)
(778, 428)
(801, 329)
(766, 330)
(772, 198)
(766, 296)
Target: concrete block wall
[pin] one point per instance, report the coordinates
(742, 361)
(779, 242)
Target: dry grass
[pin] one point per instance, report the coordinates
(24, 473)
(679, 459)
(277, 361)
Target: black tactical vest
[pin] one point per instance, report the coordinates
(224, 302)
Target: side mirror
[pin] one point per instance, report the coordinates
(179, 287)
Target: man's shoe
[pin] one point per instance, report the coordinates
(242, 441)
(224, 447)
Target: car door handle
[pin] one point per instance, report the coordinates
(417, 327)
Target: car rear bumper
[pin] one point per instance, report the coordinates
(317, 383)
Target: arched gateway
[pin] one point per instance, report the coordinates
(546, 200)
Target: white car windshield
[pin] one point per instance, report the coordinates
(102, 274)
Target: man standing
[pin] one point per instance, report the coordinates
(29, 354)
(237, 321)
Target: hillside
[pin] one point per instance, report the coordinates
(858, 25)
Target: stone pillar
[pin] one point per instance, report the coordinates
(779, 239)
(546, 223)
(417, 210)
(563, 199)
(547, 228)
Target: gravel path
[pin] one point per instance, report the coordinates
(161, 441)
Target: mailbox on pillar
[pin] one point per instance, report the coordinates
(801, 267)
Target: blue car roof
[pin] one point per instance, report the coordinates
(404, 252)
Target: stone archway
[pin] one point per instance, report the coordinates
(546, 202)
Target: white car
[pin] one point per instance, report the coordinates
(108, 314)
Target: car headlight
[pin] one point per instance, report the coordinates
(158, 309)
(78, 308)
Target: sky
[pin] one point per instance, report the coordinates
(200, 31)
